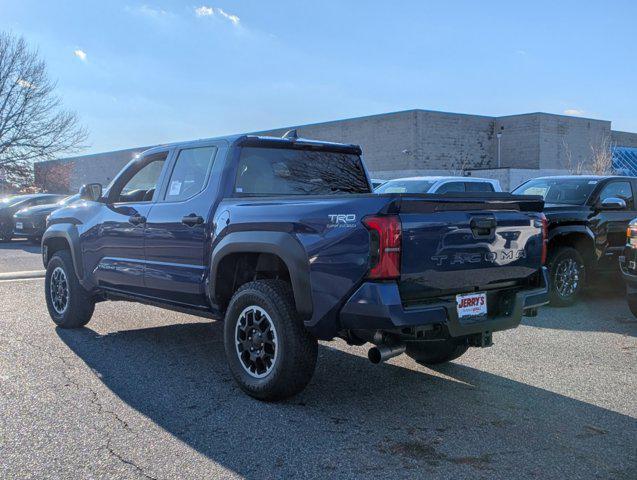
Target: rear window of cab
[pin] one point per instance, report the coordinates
(286, 171)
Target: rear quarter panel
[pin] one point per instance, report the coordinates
(330, 231)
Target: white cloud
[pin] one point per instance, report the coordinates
(521, 52)
(205, 11)
(81, 54)
(574, 111)
(233, 18)
(149, 11)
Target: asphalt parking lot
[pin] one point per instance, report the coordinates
(19, 256)
(145, 393)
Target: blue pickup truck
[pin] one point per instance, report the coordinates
(284, 240)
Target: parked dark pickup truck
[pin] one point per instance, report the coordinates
(588, 216)
(284, 239)
(628, 266)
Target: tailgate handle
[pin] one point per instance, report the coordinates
(483, 223)
(483, 226)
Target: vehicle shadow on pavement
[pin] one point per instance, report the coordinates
(24, 245)
(596, 311)
(354, 419)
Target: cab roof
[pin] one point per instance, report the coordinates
(262, 140)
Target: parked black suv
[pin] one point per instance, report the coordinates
(587, 216)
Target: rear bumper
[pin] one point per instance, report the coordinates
(377, 306)
(27, 233)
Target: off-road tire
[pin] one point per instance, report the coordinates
(294, 364)
(80, 304)
(436, 352)
(563, 254)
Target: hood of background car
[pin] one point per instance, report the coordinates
(38, 210)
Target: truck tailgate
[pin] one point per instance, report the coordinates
(468, 243)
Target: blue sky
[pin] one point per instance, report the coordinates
(141, 73)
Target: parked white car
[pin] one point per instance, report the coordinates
(439, 185)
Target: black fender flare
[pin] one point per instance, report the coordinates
(284, 245)
(69, 233)
(561, 231)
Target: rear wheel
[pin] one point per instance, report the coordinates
(270, 353)
(436, 352)
(70, 306)
(568, 273)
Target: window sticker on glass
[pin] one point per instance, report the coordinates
(175, 188)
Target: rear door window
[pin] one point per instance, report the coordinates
(478, 187)
(285, 171)
(190, 173)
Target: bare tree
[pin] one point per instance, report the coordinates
(602, 156)
(459, 166)
(574, 168)
(33, 124)
(54, 176)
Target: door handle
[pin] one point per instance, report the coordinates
(192, 220)
(137, 219)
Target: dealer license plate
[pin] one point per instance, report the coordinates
(18, 225)
(471, 305)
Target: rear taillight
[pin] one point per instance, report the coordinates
(545, 237)
(385, 239)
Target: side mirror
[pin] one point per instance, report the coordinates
(91, 191)
(612, 203)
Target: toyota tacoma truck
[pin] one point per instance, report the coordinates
(284, 240)
(587, 220)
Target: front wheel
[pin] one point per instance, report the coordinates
(436, 352)
(270, 353)
(568, 273)
(70, 306)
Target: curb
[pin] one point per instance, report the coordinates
(22, 275)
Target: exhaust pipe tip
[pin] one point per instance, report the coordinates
(382, 353)
(374, 355)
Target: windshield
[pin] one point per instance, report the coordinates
(405, 186)
(69, 200)
(287, 171)
(562, 191)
